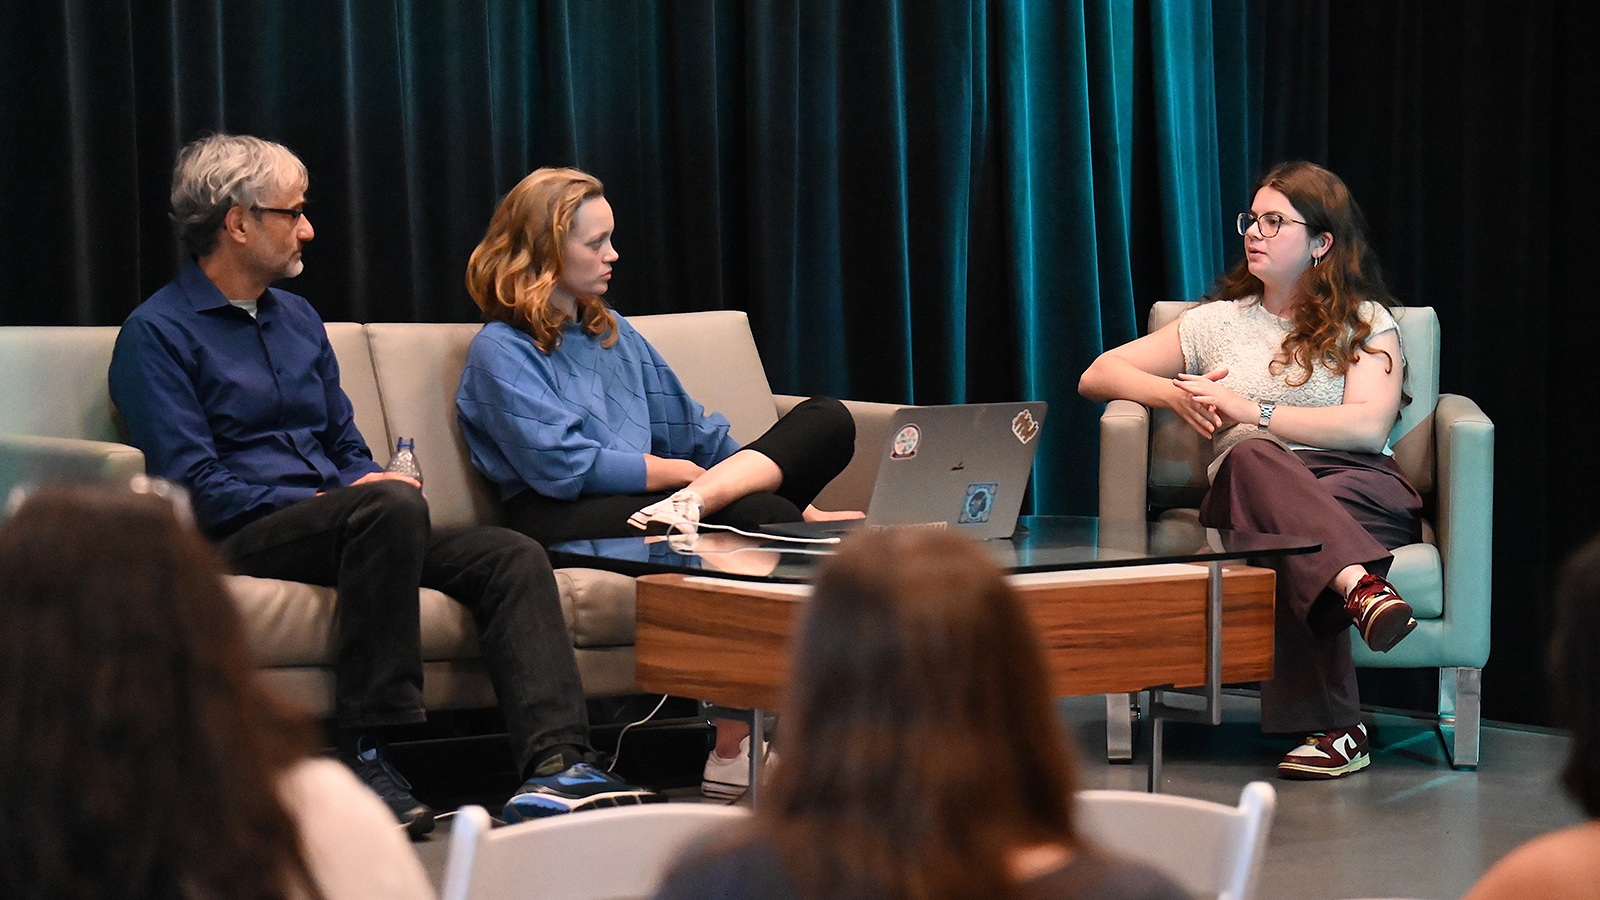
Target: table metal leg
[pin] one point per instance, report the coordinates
(758, 751)
(1120, 722)
(758, 737)
(1211, 712)
(1154, 784)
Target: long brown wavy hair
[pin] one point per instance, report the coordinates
(518, 263)
(138, 755)
(1325, 325)
(920, 742)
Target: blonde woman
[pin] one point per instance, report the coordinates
(585, 428)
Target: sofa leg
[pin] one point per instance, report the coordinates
(1460, 703)
(1120, 717)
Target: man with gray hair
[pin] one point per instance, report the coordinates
(231, 388)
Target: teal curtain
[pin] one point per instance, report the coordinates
(1099, 97)
(924, 201)
(1067, 141)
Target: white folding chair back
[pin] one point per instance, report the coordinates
(606, 853)
(1209, 848)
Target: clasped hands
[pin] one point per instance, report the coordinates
(1205, 404)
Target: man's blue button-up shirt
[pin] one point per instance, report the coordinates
(247, 413)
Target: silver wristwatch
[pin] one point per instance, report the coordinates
(1267, 406)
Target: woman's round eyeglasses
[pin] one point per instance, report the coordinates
(1268, 223)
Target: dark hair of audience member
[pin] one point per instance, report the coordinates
(138, 756)
(920, 742)
(1575, 672)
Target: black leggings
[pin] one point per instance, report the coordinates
(811, 445)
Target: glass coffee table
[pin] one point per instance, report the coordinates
(1120, 608)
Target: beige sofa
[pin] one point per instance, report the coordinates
(56, 423)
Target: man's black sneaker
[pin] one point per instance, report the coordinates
(578, 787)
(391, 787)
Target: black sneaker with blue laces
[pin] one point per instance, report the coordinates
(578, 787)
(391, 787)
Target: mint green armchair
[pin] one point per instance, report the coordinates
(1154, 465)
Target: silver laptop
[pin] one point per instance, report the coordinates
(963, 468)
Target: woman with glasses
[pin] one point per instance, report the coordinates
(139, 756)
(922, 756)
(1292, 366)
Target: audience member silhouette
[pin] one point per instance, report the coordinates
(138, 756)
(922, 755)
(1566, 864)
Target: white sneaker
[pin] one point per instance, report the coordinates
(680, 513)
(728, 779)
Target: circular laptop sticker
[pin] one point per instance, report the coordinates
(905, 443)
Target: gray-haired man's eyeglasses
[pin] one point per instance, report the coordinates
(295, 214)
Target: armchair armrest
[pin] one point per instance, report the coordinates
(1124, 460)
(27, 459)
(1464, 437)
(852, 489)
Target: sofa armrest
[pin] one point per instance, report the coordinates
(852, 489)
(1465, 441)
(27, 460)
(1124, 460)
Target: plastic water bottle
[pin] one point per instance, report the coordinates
(404, 461)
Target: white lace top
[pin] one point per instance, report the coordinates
(1242, 336)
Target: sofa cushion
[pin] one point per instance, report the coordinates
(714, 355)
(292, 624)
(55, 381)
(349, 342)
(418, 368)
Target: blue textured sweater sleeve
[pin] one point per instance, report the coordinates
(522, 434)
(680, 428)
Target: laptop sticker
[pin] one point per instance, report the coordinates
(1025, 426)
(979, 503)
(905, 443)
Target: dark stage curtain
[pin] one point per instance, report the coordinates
(1467, 131)
(931, 201)
(916, 200)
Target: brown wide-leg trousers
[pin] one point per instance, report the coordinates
(1359, 506)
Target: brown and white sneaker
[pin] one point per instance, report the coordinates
(1378, 613)
(1327, 754)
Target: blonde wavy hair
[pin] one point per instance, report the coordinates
(518, 264)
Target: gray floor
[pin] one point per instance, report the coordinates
(1408, 826)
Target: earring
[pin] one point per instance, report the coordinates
(1316, 261)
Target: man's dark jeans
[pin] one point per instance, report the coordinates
(373, 542)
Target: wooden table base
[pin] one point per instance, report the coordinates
(1104, 631)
